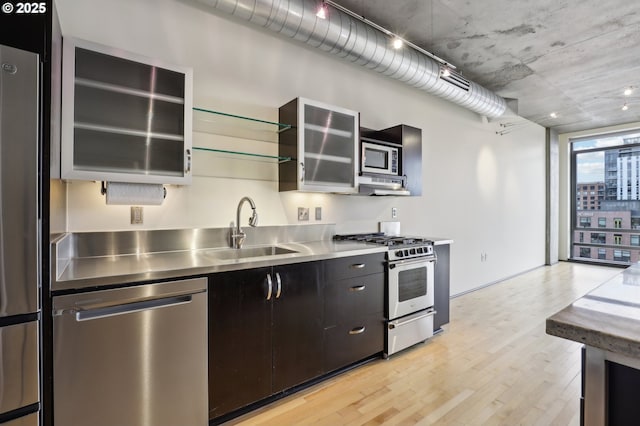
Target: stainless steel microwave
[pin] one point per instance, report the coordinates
(381, 159)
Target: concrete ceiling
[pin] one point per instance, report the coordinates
(571, 57)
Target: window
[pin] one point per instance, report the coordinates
(622, 255)
(605, 170)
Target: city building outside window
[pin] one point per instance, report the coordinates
(602, 222)
(598, 238)
(617, 239)
(585, 252)
(602, 254)
(581, 237)
(617, 222)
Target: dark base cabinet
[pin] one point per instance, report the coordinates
(442, 291)
(297, 325)
(240, 340)
(622, 395)
(320, 317)
(261, 343)
(353, 310)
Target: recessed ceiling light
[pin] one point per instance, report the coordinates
(553, 115)
(628, 91)
(625, 107)
(397, 43)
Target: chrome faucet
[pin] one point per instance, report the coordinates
(236, 236)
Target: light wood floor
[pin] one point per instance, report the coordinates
(493, 365)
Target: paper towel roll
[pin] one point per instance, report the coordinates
(134, 194)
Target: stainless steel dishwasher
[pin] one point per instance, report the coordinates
(133, 356)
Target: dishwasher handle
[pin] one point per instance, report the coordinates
(129, 308)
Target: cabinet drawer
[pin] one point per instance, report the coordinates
(349, 343)
(354, 266)
(353, 298)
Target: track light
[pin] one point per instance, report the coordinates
(397, 43)
(625, 107)
(446, 72)
(628, 91)
(322, 11)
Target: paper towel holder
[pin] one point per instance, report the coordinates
(103, 190)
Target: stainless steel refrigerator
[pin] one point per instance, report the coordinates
(19, 238)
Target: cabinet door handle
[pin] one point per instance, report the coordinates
(269, 287)
(357, 266)
(187, 160)
(357, 330)
(301, 172)
(357, 288)
(279, 282)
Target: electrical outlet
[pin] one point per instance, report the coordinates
(394, 212)
(318, 213)
(136, 215)
(303, 213)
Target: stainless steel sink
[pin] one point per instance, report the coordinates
(230, 254)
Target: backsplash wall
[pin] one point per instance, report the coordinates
(483, 190)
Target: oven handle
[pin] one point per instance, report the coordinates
(395, 324)
(409, 262)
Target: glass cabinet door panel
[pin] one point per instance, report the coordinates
(112, 70)
(115, 152)
(329, 154)
(328, 132)
(322, 172)
(125, 117)
(107, 108)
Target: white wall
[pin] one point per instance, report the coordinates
(483, 190)
(565, 181)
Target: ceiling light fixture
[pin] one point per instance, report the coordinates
(553, 115)
(628, 91)
(322, 11)
(397, 43)
(625, 107)
(387, 32)
(446, 72)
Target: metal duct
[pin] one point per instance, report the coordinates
(355, 41)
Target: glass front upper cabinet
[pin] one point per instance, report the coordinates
(324, 141)
(125, 117)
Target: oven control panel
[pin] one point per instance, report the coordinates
(410, 252)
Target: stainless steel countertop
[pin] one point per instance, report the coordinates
(607, 318)
(88, 272)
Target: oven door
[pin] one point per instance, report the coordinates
(410, 286)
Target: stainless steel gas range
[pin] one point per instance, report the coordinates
(409, 288)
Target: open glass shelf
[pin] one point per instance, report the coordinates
(248, 154)
(237, 126)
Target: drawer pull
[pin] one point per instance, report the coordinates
(357, 266)
(357, 288)
(357, 330)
